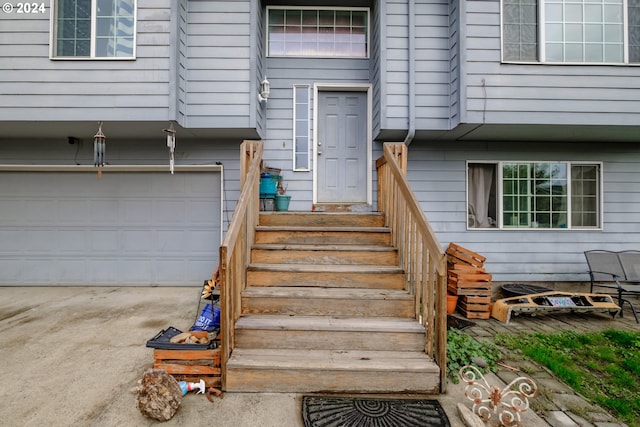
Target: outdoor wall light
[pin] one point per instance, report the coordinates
(99, 146)
(265, 90)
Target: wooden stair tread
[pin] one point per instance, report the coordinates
(332, 360)
(330, 323)
(323, 214)
(325, 293)
(329, 247)
(327, 268)
(322, 218)
(315, 229)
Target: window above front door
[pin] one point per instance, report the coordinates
(318, 32)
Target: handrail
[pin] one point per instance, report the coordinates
(419, 251)
(236, 247)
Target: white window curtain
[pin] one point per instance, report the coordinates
(480, 184)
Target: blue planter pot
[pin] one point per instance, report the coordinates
(282, 202)
(268, 185)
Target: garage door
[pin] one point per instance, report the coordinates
(128, 228)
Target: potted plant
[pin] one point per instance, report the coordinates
(282, 198)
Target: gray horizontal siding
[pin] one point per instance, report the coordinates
(180, 49)
(432, 65)
(438, 177)
(283, 73)
(219, 87)
(394, 91)
(539, 93)
(378, 58)
(454, 63)
(35, 87)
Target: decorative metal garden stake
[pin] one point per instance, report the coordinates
(489, 401)
(99, 146)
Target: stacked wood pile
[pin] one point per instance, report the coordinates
(467, 278)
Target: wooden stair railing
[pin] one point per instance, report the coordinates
(236, 248)
(420, 253)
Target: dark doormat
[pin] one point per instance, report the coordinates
(329, 411)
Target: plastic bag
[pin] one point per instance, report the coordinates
(208, 320)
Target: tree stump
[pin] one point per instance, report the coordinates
(158, 395)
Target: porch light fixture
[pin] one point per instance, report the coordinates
(171, 144)
(99, 146)
(265, 90)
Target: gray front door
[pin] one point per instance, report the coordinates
(342, 147)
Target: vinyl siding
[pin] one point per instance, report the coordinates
(437, 175)
(219, 80)
(258, 54)
(540, 93)
(454, 63)
(378, 58)
(34, 87)
(285, 73)
(395, 68)
(181, 66)
(432, 65)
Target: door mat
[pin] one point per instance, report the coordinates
(329, 411)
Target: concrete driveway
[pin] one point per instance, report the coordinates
(71, 355)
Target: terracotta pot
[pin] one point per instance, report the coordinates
(452, 302)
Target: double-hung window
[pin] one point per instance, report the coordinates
(571, 31)
(546, 195)
(89, 29)
(318, 32)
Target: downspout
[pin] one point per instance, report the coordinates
(411, 58)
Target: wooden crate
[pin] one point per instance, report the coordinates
(475, 307)
(467, 278)
(459, 255)
(191, 365)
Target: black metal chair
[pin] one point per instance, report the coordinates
(619, 271)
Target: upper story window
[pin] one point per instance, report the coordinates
(318, 32)
(571, 31)
(87, 29)
(545, 195)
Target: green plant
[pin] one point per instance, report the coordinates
(461, 348)
(603, 366)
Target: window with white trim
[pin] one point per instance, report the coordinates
(90, 29)
(301, 128)
(318, 32)
(571, 31)
(545, 195)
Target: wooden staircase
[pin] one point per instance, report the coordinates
(325, 310)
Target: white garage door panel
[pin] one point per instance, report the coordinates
(69, 228)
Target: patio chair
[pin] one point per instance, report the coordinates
(619, 271)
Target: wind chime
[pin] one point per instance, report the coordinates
(171, 144)
(99, 145)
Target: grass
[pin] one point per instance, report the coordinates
(602, 366)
